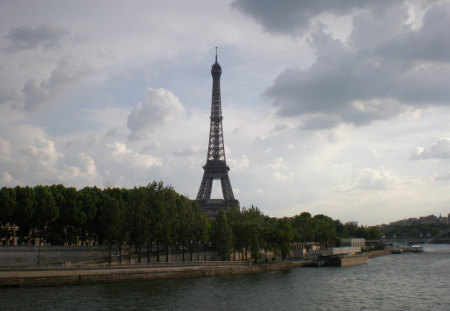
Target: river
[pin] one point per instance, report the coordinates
(407, 281)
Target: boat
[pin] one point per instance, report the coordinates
(397, 250)
(416, 248)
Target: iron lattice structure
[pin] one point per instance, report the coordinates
(216, 167)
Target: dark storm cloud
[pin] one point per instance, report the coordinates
(321, 122)
(430, 43)
(7, 93)
(27, 37)
(295, 17)
(368, 78)
(65, 76)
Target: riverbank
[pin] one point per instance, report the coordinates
(378, 253)
(105, 273)
(88, 275)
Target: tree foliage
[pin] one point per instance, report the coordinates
(157, 216)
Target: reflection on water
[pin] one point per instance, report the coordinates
(407, 281)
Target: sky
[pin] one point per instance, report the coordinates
(334, 107)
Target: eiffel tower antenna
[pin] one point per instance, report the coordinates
(216, 167)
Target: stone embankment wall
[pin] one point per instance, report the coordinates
(353, 260)
(379, 253)
(17, 256)
(31, 256)
(78, 276)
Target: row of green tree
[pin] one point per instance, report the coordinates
(414, 230)
(250, 229)
(140, 216)
(157, 215)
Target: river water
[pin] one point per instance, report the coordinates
(394, 282)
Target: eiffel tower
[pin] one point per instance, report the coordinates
(216, 167)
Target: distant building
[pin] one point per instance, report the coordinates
(443, 220)
(9, 235)
(354, 242)
(429, 220)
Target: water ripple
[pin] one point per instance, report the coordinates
(394, 282)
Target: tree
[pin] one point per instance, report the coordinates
(253, 223)
(137, 217)
(46, 210)
(223, 237)
(89, 201)
(270, 243)
(7, 205)
(283, 236)
(25, 210)
(110, 215)
(123, 226)
(374, 233)
(324, 228)
(303, 227)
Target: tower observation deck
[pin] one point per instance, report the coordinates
(216, 167)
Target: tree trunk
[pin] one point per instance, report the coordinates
(167, 252)
(139, 249)
(157, 251)
(182, 246)
(120, 253)
(190, 251)
(148, 253)
(129, 253)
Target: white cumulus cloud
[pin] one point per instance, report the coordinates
(160, 108)
(438, 150)
(122, 153)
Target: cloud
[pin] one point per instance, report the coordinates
(86, 173)
(188, 152)
(112, 132)
(441, 177)
(374, 180)
(44, 154)
(296, 17)
(123, 154)
(160, 108)
(320, 122)
(239, 164)
(8, 180)
(438, 150)
(429, 43)
(34, 158)
(62, 79)
(5, 149)
(280, 170)
(7, 92)
(28, 38)
(359, 81)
